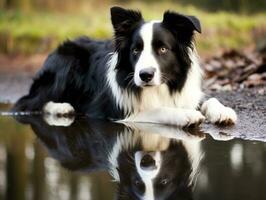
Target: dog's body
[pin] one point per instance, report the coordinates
(149, 73)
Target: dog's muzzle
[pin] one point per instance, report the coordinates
(146, 75)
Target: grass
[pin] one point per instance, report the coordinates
(40, 31)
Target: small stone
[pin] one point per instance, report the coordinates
(227, 87)
(254, 77)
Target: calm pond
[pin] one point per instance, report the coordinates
(88, 159)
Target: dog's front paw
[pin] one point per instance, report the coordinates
(217, 113)
(191, 118)
(59, 109)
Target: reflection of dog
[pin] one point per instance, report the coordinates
(149, 166)
(149, 73)
(145, 164)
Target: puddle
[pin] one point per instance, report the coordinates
(99, 160)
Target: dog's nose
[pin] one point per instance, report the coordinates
(147, 162)
(147, 74)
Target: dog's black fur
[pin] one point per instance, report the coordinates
(74, 73)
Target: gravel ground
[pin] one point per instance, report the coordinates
(250, 105)
(13, 86)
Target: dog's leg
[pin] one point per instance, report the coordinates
(217, 113)
(170, 116)
(58, 114)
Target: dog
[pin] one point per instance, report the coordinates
(149, 72)
(142, 161)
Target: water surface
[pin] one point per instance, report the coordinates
(38, 161)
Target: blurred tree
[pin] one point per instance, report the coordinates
(38, 176)
(228, 5)
(213, 5)
(74, 186)
(23, 5)
(16, 167)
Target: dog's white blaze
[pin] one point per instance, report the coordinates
(147, 176)
(147, 58)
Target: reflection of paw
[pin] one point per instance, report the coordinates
(59, 109)
(217, 113)
(222, 136)
(58, 114)
(56, 120)
(191, 118)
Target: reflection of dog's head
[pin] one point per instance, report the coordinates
(163, 170)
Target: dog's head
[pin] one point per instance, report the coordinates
(155, 174)
(155, 52)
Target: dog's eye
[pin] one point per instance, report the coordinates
(135, 51)
(163, 50)
(137, 182)
(164, 181)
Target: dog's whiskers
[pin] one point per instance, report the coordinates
(165, 78)
(130, 83)
(130, 75)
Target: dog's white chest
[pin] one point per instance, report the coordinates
(156, 97)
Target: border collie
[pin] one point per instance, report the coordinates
(149, 73)
(144, 163)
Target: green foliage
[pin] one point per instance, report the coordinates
(244, 6)
(40, 31)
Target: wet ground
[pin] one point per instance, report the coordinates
(38, 161)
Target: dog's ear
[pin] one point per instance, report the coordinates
(182, 25)
(124, 21)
